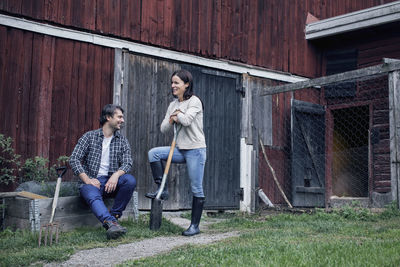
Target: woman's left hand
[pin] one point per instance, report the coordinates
(172, 119)
(174, 116)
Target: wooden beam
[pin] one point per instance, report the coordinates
(353, 21)
(24, 194)
(345, 76)
(394, 118)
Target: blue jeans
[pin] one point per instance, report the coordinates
(122, 195)
(195, 161)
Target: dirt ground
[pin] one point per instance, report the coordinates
(145, 248)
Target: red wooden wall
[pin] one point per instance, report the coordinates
(51, 90)
(258, 32)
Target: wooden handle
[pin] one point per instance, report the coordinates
(169, 159)
(55, 199)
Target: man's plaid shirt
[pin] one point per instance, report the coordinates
(86, 156)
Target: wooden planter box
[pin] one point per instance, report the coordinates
(71, 212)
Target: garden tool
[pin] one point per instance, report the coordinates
(157, 203)
(52, 227)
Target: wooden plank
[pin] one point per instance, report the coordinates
(15, 81)
(102, 16)
(214, 28)
(61, 96)
(93, 88)
(50, 10)
(355, 74)
(146, 21)
(45, 96)
(21, 194)
(394, 114)
(18, 207)
(71, 212)
(3, 73)
(114, 11)
(169, 23)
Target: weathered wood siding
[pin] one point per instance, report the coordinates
(258, 32)
(51, 90)
(147, 85)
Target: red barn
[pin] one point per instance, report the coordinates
(61, 61)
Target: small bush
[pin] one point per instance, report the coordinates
(33, 169)
(9, 161)
(36, 170)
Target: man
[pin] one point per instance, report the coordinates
(102, 160)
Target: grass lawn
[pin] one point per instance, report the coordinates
(20, 248)
(344, 237)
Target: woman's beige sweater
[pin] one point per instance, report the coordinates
(191, 135)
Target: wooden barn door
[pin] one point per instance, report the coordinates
(219, 91)
(146, 98)
(308, 154)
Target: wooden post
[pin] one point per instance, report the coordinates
(394, 117)
(273, 174)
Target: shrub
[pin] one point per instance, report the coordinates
(33, 169)
(9, 161)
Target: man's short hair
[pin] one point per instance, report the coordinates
(108, 110)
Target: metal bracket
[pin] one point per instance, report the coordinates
(241, 90)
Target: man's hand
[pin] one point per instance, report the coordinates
(112, 182)
(86, 179)
(94, 182)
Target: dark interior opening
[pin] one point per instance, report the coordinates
(350, 152)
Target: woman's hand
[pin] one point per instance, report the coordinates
(174, 117)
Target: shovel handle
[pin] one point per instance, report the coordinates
(61, 171)
(169, 160)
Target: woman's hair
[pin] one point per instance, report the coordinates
(108, 110)
(186, 77)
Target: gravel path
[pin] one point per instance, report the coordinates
(140, 249)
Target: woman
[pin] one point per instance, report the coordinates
(187, 112)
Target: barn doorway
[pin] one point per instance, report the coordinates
(350, 152)
(145, 98)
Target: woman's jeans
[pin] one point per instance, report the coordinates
(122, 195)
(195, 161)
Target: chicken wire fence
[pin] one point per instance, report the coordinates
(325, 141)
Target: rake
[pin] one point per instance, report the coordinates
(50, 230)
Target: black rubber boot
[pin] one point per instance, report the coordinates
(197, 210)
(157, 170)
(114, 229)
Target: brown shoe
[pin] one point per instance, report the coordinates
(114, 229)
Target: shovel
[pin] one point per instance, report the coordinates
(157, 203)
(52, 227)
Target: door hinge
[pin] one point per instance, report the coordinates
(241, 90)
(241, 193)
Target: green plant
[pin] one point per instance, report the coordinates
(61, 161)
(9, 161)
(391, 211)
(354, 213)
(35, 169)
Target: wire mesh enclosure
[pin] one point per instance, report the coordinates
(329, 140)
